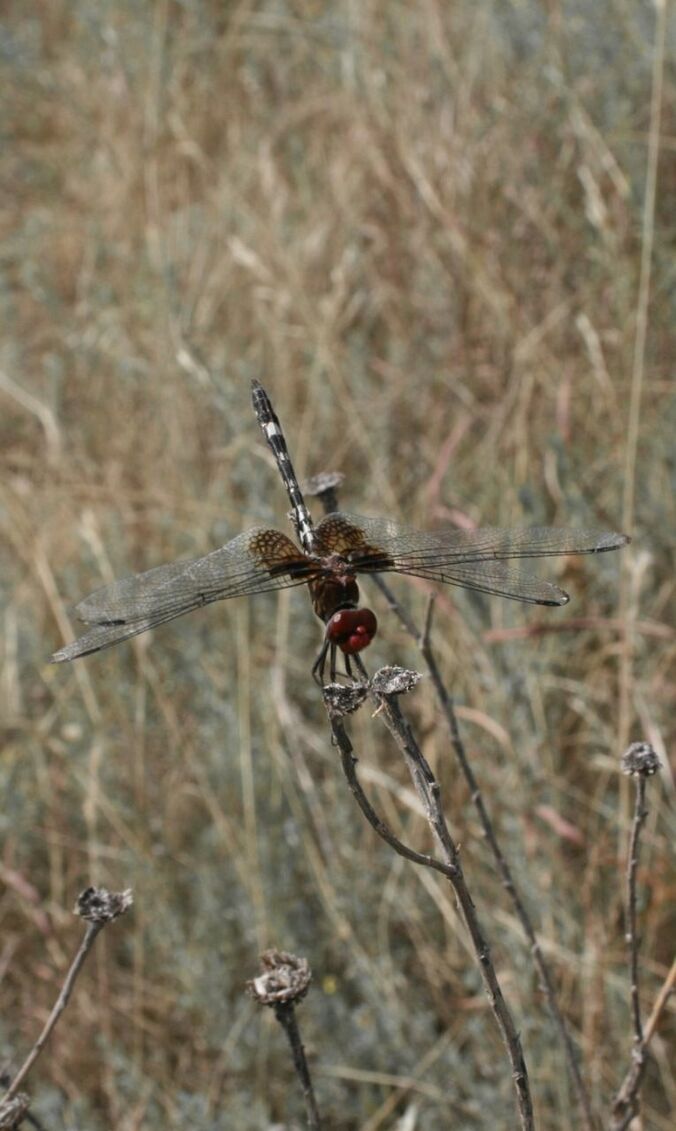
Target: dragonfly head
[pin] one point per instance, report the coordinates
(352, 629)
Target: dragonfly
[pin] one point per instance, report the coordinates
(328, 558)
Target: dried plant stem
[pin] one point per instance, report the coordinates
(589, 1121)
(91, 931)
(450, 865)
(286, 1015)
(349, 763)
(626, 1103)
(640, 814)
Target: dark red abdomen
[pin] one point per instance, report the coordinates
(352, 629)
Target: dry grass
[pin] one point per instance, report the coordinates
(420, 226)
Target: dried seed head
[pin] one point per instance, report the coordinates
(285, 978)
(98, 905)
(394, 681)
(340, 700)
(325, 481)
(12, 1111)
(324, 487)
(640, 760)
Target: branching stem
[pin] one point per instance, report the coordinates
(449, 865)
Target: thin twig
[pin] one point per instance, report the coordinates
(504, 870)
(286, 1015)
(640, 814)
(623, 1101)
(46, 415)
(349, 763)
(86, 945)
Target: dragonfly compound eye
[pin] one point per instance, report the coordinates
(352, 629)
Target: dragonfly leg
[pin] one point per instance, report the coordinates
(320, 663)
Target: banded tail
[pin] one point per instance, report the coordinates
(272, 430)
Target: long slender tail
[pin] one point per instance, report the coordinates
(272, 431)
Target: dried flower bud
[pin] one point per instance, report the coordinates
(394, 681)
(640, 759)
(98, 905)
(285, 978)
(325, 481)
(340, 700)
(324, 487)
(12, 1111)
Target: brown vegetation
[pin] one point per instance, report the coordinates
(421, 226)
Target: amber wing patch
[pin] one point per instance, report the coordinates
(279, 555)
(337, 534)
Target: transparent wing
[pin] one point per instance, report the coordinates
(257, 561)
(472, 559)
(497, 579)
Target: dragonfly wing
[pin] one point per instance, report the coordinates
(103, 636)
(257, 561)
(498, 579)
(473, 559)
(366, 541)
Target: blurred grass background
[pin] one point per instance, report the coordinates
(420, 226)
